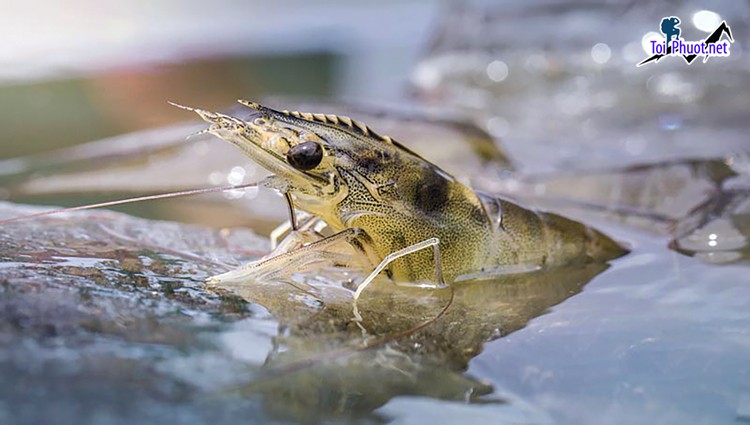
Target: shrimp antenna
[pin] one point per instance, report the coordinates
(130, 200)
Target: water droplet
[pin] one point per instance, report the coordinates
(216, 177)
(498, 126)
(706, 20)
(497, 70)
(236, 175)
(648, 37)
(426, 76)
(601, 53)
(707, 238)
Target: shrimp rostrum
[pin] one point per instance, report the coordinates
(393, 209)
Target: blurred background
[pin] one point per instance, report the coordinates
(547, 72)
(77, 71)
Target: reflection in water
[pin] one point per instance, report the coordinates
(417, 342)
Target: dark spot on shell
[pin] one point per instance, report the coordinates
(370, 164)
(432, 193)
(373, 162)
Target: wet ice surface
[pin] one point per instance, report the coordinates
(94, 324)
(105, 319)
(658, 339)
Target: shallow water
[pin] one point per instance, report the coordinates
(114, 302)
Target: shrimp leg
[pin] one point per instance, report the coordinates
(431, 242)
(284, 238)
(301, 258)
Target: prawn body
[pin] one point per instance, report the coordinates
(381, 198)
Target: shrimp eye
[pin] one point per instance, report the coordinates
(305, 156)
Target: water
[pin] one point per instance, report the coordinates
(658, 338)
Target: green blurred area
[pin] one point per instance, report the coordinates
(40, 116)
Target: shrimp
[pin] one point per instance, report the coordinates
(386, 206)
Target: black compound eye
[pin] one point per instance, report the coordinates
(305, 156)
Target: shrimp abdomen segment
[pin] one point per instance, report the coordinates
(526, 236)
